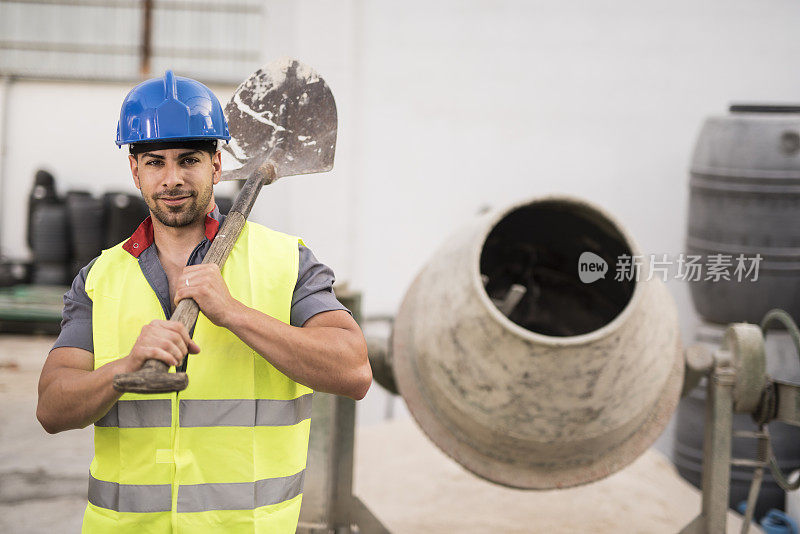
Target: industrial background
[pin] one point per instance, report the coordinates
(446, 109)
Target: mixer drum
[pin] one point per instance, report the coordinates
(572, 384)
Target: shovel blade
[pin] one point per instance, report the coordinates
(284, 113)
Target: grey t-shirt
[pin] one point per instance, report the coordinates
(313, 292)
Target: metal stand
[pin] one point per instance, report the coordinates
(329, 506)
(737, 383)
(716, 453)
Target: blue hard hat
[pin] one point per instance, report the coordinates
(171, 108)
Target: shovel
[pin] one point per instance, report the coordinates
(282, 121)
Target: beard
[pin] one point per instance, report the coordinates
(192, 210)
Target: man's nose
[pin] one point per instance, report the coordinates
(172, 175)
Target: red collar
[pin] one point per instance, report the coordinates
(143, 236)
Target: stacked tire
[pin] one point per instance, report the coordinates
(46, 232)
(66, 233)
(87, 228)
(50, 244)
(124, 213)
(42, 192)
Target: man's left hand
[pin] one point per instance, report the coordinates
(205, 285)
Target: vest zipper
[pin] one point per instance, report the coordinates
(174, 440)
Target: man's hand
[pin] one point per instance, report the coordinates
(205, 285)
(167, 341)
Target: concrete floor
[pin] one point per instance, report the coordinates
(413, 487)
(42, 477)
(406, 481)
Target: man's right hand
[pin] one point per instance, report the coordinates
(73, 394)
(166, 341)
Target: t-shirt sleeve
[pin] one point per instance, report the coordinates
(313, 292)
(76, 318)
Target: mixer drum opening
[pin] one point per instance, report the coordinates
(537, 247)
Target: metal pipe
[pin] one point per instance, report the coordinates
(755, 486)
(82, 79)
(4, 107)
(69, 48)
(716, 452)
(357, 182)
(147, 39)
(222, 7)
(124, 50)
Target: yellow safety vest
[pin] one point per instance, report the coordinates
(228, 454)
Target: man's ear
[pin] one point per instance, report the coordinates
(216, 162)
(134, 161)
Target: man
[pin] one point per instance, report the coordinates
(228, 453)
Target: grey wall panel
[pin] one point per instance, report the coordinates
(218, 42)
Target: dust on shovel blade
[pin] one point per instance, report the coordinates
(284, 112)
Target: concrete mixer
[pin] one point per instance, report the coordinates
(575, 382)
(538, 351)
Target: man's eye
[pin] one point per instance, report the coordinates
(153, 162)
(190, 161)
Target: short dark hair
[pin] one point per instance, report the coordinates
(203, 145)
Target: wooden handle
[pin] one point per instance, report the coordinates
(153, 376)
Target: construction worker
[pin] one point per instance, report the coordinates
(227, 454)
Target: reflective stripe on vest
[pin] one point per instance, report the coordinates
(139, 498)
(234, 440)
(249, 412)
(208, 412)
(239, 495)
(138, 414)
(143, 498)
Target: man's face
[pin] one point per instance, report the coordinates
(176, 183)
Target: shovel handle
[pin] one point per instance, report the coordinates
(153, 376)
(186, 311)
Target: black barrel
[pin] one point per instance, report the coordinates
(124, 213)
(688, 447)
(745, 200)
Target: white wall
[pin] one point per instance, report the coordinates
(474, 103)
(449, 106)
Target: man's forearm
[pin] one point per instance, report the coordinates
(75, 398)
(324, 358)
